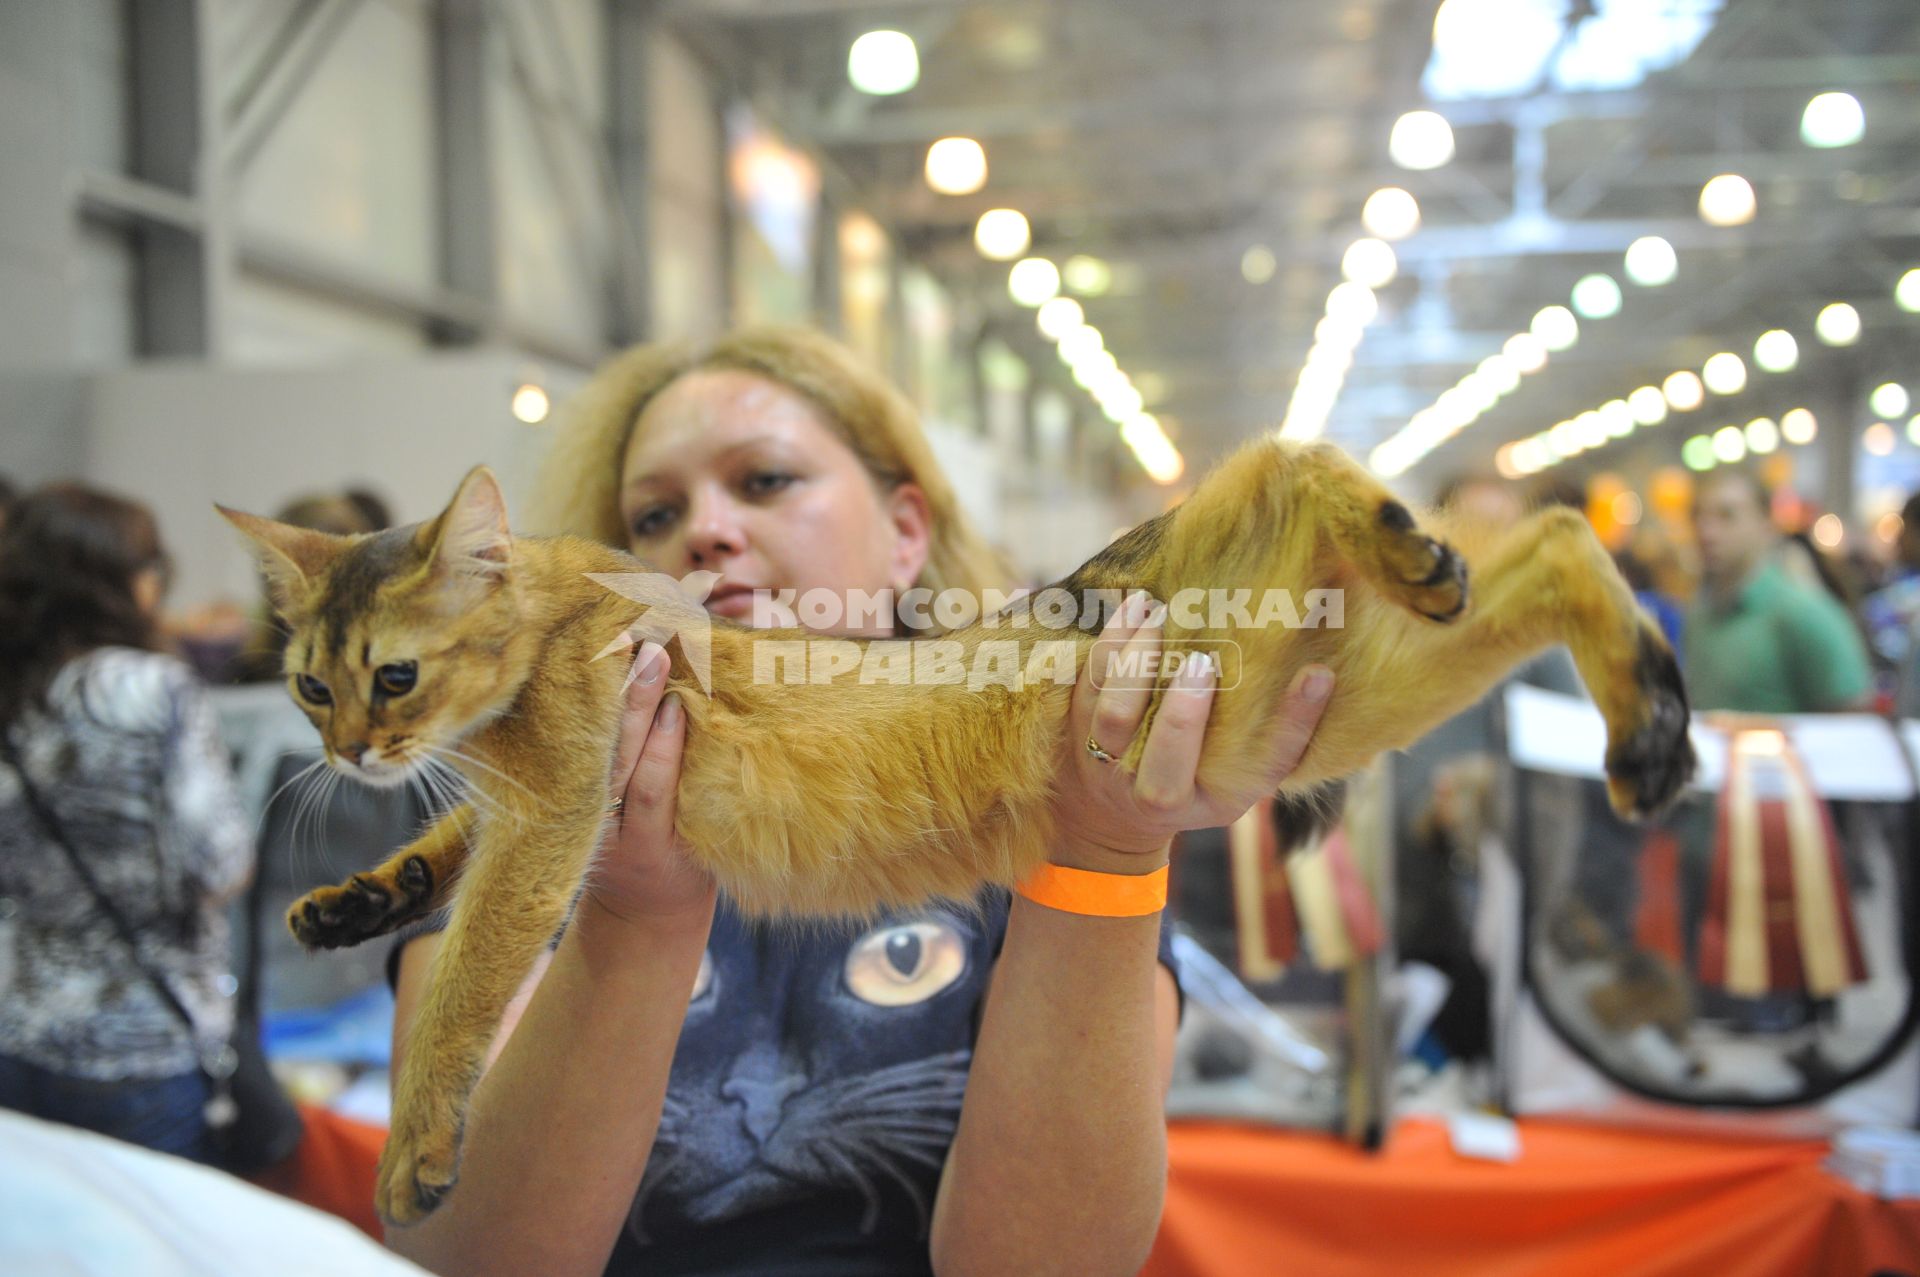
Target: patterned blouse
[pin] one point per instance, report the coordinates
(132, 764)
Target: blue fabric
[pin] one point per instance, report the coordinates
(1666, 613)
(164, 1114)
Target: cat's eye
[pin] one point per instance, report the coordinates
(312, 690)
(906, 963)
(396, 678)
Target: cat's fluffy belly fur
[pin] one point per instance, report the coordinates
(843, 798)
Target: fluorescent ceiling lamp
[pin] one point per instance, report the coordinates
(1597, 297)
(1833, 120)
(956, 166)
(1838, 325)
(1421, 140)
(1371, 262)
(1059, 317)
(1651, 261)
(1776, 351)
(1727, 200)
(1033, 281)
(883, 63)
(1391, 213)
(1002, 234)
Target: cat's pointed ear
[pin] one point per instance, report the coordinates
(291, 558)
(470, 538)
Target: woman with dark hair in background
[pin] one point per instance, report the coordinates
(110, 748)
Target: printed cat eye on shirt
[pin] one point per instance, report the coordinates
(901, 965)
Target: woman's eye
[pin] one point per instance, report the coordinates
(651, 523)
(900, 965)
(767, 482)
(312, 690)
(396, 678)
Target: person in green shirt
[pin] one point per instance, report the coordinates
(1756, 640)
(1759, 641)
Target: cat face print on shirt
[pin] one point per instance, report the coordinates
(818, 1064)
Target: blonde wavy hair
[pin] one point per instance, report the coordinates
(579, 488)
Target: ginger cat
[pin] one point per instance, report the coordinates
(455, 644)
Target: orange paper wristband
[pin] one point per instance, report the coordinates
(1096, 894)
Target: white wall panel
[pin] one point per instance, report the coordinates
(181, 437)
(545, 109)
(272, 324)
(349, 173)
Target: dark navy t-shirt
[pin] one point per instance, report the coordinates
(814, 1095)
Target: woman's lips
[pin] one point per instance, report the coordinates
(733, 602)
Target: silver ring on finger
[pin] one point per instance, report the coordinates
(1093, 747)
(617, 806)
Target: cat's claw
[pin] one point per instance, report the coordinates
(363, 907)
(1649, 765)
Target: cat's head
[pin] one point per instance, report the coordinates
(399, 642)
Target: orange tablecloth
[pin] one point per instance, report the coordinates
(1582, 1201)
(332, 1170)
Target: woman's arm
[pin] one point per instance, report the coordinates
(1059, 1164)
(561, 1125)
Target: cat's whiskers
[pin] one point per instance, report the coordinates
(461, 755)
(445, 793)
(460, 787)
(309, 814)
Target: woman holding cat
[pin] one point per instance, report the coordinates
(679, 1091)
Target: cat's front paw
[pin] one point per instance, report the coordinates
(1428, 576)
(418, 1168)
(1652, 760)
(365, 906)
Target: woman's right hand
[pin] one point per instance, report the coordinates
(644, 873)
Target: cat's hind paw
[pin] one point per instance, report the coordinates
(1648, 765)
(365, 906)
(1426, 575)
(417, 1170)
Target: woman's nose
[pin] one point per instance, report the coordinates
(714, 530)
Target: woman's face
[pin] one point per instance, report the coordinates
(729, 472)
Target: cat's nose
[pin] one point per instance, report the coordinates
(763, 1100)
(352, 752)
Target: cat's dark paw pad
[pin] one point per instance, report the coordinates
(361, 908)
(1649, 766)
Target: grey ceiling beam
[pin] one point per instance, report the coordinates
(462, 132)
(179, 285)
(269, 258)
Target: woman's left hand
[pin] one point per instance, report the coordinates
(1108, 819)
